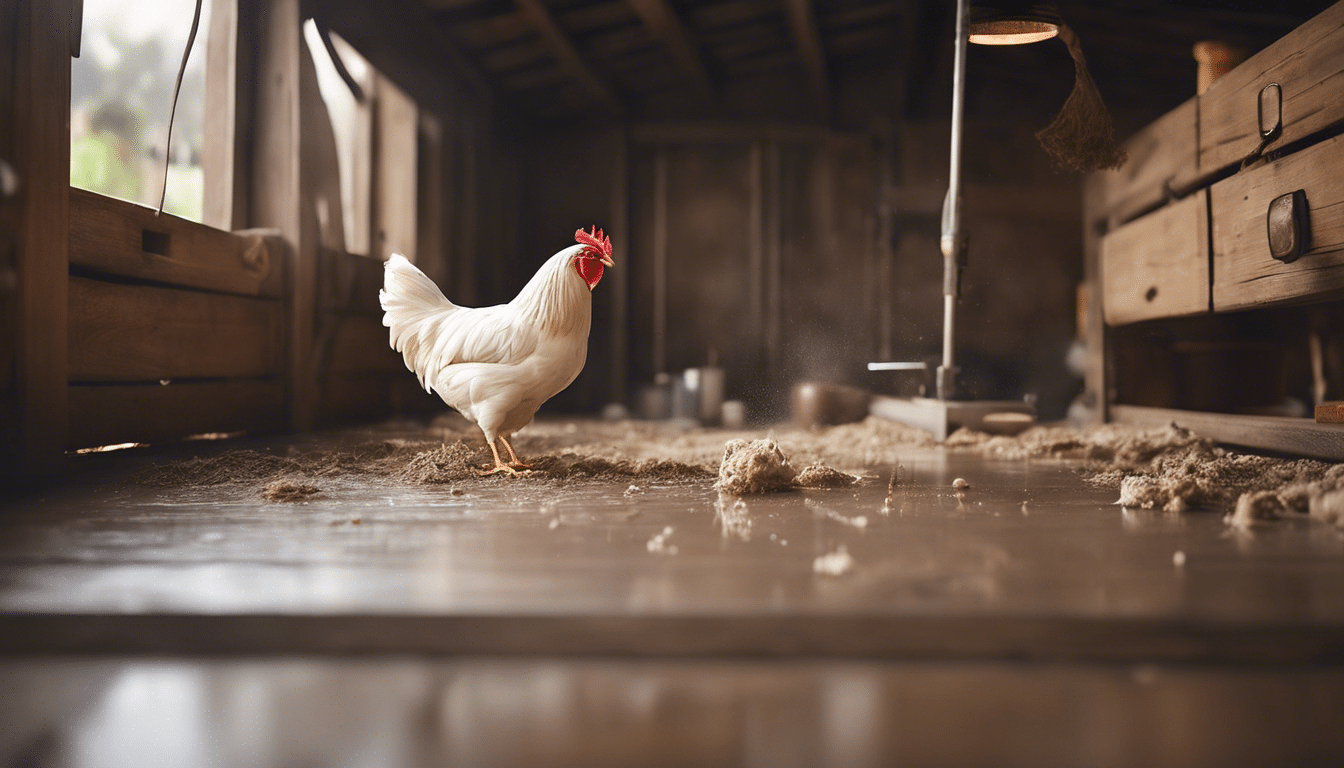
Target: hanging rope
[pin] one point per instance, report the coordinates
(172, 112)
(1081, 137)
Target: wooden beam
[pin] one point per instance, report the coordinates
(40, 47)
(802, 20)
(567, 55)
(662, 21)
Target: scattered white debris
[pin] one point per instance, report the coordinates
(960, 484)
(1024, 509)
(836, 563)
(658, 544)
(633, 489)
(555, 523)
(1328, 506)
(1178, 559)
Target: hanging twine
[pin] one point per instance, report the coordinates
(1081, 138)
(172, 111)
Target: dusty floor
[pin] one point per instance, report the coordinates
(617, 585)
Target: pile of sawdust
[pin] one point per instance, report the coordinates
(760, 466)
(1124, 445)
(820, 476)
(1172, 468)
(289, 490)
(399, 462)
(754, 466)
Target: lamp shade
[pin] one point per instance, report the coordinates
(1005, 22)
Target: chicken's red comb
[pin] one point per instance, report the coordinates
(594, 239)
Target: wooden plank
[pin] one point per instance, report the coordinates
(1270, 433)
(150, 413)
(228, 87)
(395, 173)
(360, 345)
(1163, 156)
(1158, 266)
(802, 20)
(663, 22)
(1244, 273)
(40, 132)
(1093, 332)
(9, 227)
(1308, 63)
(120, 238)
(545, 25)
(145, 333)
(1306, 643)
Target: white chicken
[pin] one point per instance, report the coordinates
(497, 365)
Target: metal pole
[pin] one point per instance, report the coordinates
(953, 239)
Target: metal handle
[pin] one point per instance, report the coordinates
(1288, 223)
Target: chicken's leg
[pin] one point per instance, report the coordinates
(500, 466)
(516, 462)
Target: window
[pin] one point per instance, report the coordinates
(121, 93)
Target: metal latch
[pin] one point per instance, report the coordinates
(1269, 112)
(1289, 225)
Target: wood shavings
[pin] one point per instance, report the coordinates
(287, 490)
(837, 563)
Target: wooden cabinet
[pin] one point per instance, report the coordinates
(1181, 247)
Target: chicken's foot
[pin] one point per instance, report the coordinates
(514, 462)
(500, 466)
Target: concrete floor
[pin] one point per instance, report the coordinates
(1027, 621)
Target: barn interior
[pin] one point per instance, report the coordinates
(236, 530)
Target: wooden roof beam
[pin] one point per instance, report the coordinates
(567, 55)
(802, 20)
(662, 21)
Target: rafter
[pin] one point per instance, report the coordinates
(662, 21)
(566, 54)
(807, 36)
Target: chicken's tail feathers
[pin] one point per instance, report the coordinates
(410, 302)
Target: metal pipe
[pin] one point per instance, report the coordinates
(953, 239)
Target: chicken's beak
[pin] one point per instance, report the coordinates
(606, 260)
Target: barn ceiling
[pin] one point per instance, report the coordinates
(692, 59)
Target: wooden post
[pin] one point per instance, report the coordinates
(281, 196)
(38, 42)
(228, 82)
(660, 260)
(619, 231)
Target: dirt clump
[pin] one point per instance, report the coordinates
(289, 490)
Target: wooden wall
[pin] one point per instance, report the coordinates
(765, 244)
